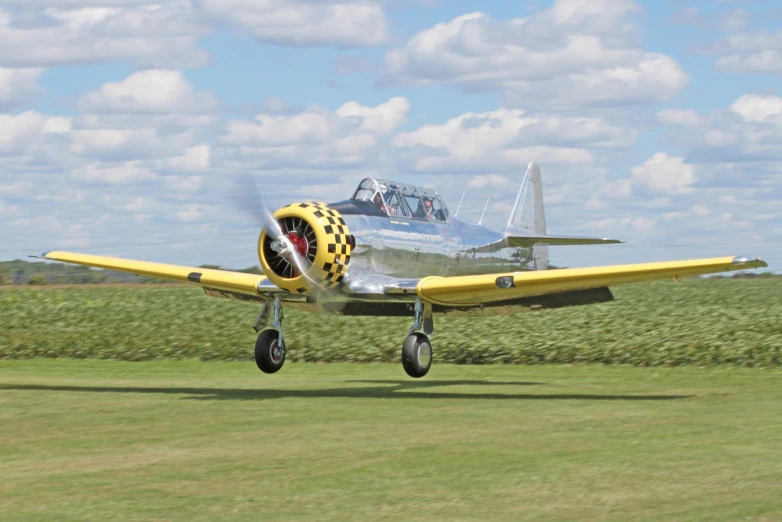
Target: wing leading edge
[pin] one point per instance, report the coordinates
(484, 289)
(250, 284)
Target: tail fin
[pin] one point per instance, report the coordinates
(528, 213)
(527, 223)
(528, 216)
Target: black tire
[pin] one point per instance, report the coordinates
(417, 355)
(269, 354)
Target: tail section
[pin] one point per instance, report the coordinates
(528, 213)
(527, 222)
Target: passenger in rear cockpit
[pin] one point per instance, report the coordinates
(424, 210)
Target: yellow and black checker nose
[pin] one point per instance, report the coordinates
(326, 243)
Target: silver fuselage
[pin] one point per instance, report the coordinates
(392, 253)
(414, 248)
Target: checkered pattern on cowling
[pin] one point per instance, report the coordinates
(337, 242)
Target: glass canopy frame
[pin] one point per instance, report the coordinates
(402, 199)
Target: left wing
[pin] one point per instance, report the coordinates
(248, 284)
(484, 289)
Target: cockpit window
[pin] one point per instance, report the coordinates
(399, 199)
(438, 210)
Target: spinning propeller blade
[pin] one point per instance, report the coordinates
(248, 193)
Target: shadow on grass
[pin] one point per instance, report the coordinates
(398, 391)
(428, 383)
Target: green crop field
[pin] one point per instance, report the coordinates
(218, 440)
(700, 322)
(187, 440)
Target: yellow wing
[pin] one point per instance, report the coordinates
(483, 289)
(249, 284)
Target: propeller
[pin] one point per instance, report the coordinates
(248, 193)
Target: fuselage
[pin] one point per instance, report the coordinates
(409, 247)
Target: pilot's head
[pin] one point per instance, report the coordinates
(377, 199)
(428, 204)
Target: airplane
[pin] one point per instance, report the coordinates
(394, 249)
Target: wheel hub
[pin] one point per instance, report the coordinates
(424, 354)
(277, 351)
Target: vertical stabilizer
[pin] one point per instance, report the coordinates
(528, 216)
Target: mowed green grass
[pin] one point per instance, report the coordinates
(693, 322)
(189, 440)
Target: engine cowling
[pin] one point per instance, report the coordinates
(320, 235)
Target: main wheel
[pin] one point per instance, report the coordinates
(417, 355)
(269, 351)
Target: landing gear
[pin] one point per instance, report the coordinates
(417, 348)
(269, 351)
(417, 355)
(270, 345)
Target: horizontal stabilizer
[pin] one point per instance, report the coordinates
(521, 238)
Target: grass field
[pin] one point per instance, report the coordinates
(188, 440)
(700, 322)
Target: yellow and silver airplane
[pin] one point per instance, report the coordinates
(394, 249)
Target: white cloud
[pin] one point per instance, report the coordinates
(757, 108)
(382, 119)
(665, 174)
(685, 118)
(190, 213)
(139, 205)
(101, 141)
(194, 159)
(750, 130)
(488, 180)
(302, 23)
(314, 137)
(272, 130)
(148, 33)
(128, 143)
(17, 86)
(749, 52)
(150, 91)
(114, 174)
(508, 139)
(19, 133)
(576, 53)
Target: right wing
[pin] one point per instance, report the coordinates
(475, 290)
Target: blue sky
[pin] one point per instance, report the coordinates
(124, 123)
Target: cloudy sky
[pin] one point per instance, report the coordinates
(125, 123)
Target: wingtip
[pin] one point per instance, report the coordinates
(751, 262)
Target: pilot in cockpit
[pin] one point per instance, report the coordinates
(385, 209)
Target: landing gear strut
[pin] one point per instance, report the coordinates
(417, 348)
(270, 345)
